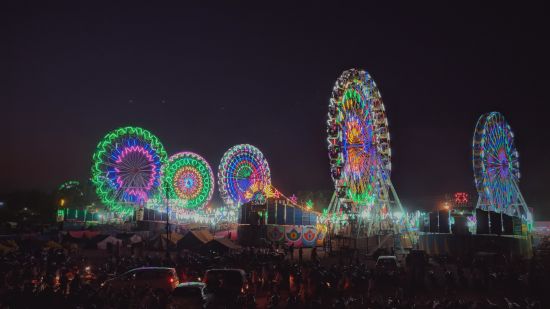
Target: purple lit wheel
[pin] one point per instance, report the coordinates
(242, 167)
(126, 168)
(358, 138)
(495, 163)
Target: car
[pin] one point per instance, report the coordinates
(387, 265)
(225, 287)
(157, 278)
(188, 295)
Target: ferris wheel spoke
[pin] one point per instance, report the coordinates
(492, 155)
(141, 181)
(146, 169)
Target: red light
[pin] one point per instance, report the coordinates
(171, 280)
(461, 198)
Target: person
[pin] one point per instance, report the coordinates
(291, 251)
(300, 254)
(314, 254)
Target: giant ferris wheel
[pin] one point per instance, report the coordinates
(126, 168)
(359, 153)
(496, 167)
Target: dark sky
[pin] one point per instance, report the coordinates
(242, 73)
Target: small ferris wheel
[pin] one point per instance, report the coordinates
(242, 168)
(188, 178)
(496, 167)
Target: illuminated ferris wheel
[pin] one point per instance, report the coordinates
(496, 167)
(358, 138)
(126, 168)
(188, 178)
(242, 168)
(359, 151)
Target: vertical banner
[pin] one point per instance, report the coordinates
(309, 236)
(293, 235)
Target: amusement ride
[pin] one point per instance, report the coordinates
(496, 168)
(126, 168)
(131, 170)
(242, 175)
(189, 178)
(365, 202)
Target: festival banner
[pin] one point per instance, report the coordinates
(275, 233)
(293, 235)
(309, 236)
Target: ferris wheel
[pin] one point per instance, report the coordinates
(70, 194)
(360, 156)
(189, 179)
(496, 166)
(242, 167)
(358, 138)
(126, 168)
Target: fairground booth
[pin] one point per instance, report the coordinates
(278, 221)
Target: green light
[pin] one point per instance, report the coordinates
(105, 189)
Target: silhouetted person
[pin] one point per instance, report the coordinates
(314, 254)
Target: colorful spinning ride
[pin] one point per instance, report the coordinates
(242, 167)
(189, 178)
(126, 168)
(496, 166)
(359, 153)
(358, 138)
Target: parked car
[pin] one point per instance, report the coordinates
(387, 265)
(188, 295)
(157, 278)
(225, 288)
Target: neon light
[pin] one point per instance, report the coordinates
(241, 167)
(126, 168)
(358, 139)
(190, 179)
(461, 198)
(495, 163)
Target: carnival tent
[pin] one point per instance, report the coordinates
(220, 245)
(161, 241)
(109, 240)
(129, 238)
(194, 239)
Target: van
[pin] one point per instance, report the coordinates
(157, 278)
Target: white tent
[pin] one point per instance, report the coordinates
(109, 240)
(135, 239)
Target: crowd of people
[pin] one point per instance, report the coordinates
(277, 278)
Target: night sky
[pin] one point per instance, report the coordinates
(206, 78)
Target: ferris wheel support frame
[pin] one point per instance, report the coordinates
(367, 223)
(520, 206)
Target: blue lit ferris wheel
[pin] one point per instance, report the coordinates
(496, 167)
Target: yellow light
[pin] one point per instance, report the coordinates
(62, 202)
